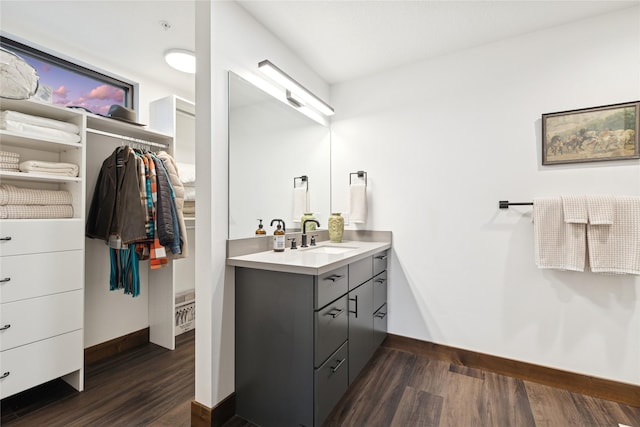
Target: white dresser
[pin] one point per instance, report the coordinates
(42, 266)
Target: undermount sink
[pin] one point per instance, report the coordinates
(331, 249)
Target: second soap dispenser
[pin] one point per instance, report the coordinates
(278, 236)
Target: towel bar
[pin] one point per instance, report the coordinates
(504, 204)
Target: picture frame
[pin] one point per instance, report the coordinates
(608, 132)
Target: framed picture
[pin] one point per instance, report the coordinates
(591, 134)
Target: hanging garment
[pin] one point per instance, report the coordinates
(174, 244)
(116, 214)
(178, 189)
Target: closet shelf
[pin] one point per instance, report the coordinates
(8, 138)
(38, 177)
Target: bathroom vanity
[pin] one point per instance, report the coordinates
(307, 322)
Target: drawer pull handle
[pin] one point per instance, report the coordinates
(6, 279)
(335, 312)
(5, 375)
(334, 277)
(335, 368)
(5, 238)
(5, 327)
(356, 310)
(381, 257)
(381, 315)
(380, 280)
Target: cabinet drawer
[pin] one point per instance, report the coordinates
(28, 276)
(330, 286)
(331, 329)
(380, 325)
(35, 319)
(33, 364)
(360, 272)
(37, 236)
(380, 262)
(330, 384)
(379, 290)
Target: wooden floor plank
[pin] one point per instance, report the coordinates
(463, 411)
(552, 407)
(506, 401)
(417, 409)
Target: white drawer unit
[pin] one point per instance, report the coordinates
(29, 276)
(34, 319)
(24, 236)
(42, 262)
(29, 365)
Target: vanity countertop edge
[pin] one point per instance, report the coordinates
(306, 261)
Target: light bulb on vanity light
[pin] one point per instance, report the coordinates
(286, 81)
(181, 59)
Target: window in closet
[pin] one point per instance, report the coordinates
(67, 84)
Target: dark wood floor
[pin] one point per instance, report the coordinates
(152, 386)
(146, 386)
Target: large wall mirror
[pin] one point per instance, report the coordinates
(270, 144)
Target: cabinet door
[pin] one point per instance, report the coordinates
(360, 328)
(330, 384)
(379, 290)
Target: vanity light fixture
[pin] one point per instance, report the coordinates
(181, 59)
(293, 86)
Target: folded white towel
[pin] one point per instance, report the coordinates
(39, 131)
(187, 172)
(12, 195)
(574, 209)
(300, 202)
(189, 193)
(37, 166)
(600, 209)
(615, 248)
(358, 203)
(9, 154)
(558, 245)
(35, 211)
(39, 121)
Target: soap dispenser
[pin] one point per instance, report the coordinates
(278, 238)
(260, 231)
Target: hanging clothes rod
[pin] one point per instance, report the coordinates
(504, 204)
(129, 138)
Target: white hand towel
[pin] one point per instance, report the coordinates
(358, 203)
(300, 203)
(558, 245)
(615, 248)
(600, 209)
(575, 209)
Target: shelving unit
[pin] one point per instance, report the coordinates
(176, 116)
(42, 265)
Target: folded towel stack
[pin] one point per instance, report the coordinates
(189, 208)
(9, 161)
(39, 127)
(22, 203)
(49, 168)
(581, 233)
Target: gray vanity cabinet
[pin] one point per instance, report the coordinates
(291, 345)
(302, 339)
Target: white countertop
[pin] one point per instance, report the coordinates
(313, 260)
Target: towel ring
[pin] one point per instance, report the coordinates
(303, 179)
(360, 174)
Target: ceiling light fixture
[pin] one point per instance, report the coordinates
(293, 86)
(181, 59)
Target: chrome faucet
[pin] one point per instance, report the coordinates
(304, 231)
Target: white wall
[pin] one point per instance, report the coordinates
(236, 42)
(442, 141)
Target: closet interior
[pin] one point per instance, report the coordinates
(68, 306)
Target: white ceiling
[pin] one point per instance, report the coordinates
(340, 40)
(343, 40)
